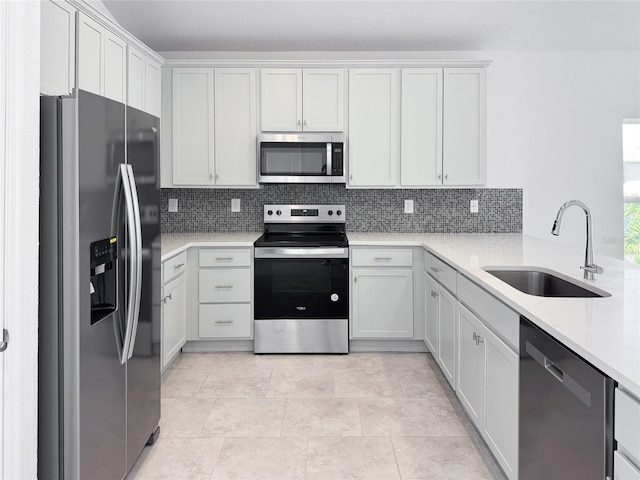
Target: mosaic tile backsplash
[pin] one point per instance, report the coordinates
(371, 210)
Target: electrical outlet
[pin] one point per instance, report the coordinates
(173, 204)
(235, 204)
(408, 206)
(473, 206)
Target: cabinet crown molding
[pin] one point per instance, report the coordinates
(204, 62)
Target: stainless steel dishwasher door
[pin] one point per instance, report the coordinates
(566, 421)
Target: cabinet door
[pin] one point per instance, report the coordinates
(471, 353)
(235, 126)
(464, 141)
(281, 99)
(90, 55)
(193, 147)
(431, 314)
(115, 67)
(174, 321)
(421, 134)
(501, 403)
(372, 127)
(57, 47)
(323, 100)
(152, 87)
(447, 335)
(135, 78)
(382, 303)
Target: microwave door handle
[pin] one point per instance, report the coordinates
(329, 158)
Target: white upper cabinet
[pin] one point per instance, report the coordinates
(115, 67)
(235, 126)
(90, 55)
(464, 138)
(421, 127)
(102, 60)
(193, 146)
(373, 149)
(143, 82)
(135, 78)
(281, 99)
(296, 100)
(152, 74)
(322, 100)
(57, 47)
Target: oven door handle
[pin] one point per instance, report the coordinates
(283, 252)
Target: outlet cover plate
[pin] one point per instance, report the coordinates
(408, 206)
(473, 206)
(173, 204)
(235, 204)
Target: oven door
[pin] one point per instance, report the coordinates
(301, 287)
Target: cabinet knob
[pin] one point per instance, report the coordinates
(439, 176)
(298, 122)
(434, 294)
(304, 123)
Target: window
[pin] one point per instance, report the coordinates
(631, 188)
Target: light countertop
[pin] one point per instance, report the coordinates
(604, 331)
(174, 243)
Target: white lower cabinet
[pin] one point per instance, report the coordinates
(471, 369)
(431, 314)
(446, 356)
(382, 302)
(488, 387)
(225, 285)
(174, 322)
(623, 469)
(626, 464)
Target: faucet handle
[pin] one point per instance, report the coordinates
(592, 268)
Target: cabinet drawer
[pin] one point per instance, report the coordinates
(225, 285)
(225, 321)
(627, 423)
(623, 469)
(440, 271)
(500, 318)
(174, 266)
(227, 257)
(385, 257)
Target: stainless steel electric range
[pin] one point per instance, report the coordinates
(301, 294)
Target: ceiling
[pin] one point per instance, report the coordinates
(380, 25)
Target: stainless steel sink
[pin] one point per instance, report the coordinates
(543, 282)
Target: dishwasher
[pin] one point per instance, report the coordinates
(566, 412)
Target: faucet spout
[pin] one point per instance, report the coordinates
(590, 268)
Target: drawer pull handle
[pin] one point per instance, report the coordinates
(226, 322)
(434, 294)
(434, 269)
(477, 338)
(224, 258)
(168, 297)
(224, 286)
(382, 258)
(178, 265)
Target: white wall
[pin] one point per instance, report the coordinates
(554, 127)
(19, 240)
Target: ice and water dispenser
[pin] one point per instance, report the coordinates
(103, 284)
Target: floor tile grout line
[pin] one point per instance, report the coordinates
(395, 456)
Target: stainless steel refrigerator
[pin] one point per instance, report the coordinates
(99, 286)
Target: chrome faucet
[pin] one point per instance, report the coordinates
(590, 268)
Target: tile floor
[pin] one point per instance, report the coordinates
(317, 417)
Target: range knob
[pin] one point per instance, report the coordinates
(339, 212)
(278, 212)
(269, 212)
(330, 212)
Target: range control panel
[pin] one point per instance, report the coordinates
(304, 214)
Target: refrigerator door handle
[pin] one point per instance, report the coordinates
(137, 263)
(133, 255)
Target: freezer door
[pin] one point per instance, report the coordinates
(102, 377)
(143, 368)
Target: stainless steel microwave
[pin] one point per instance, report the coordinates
(301, 158)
